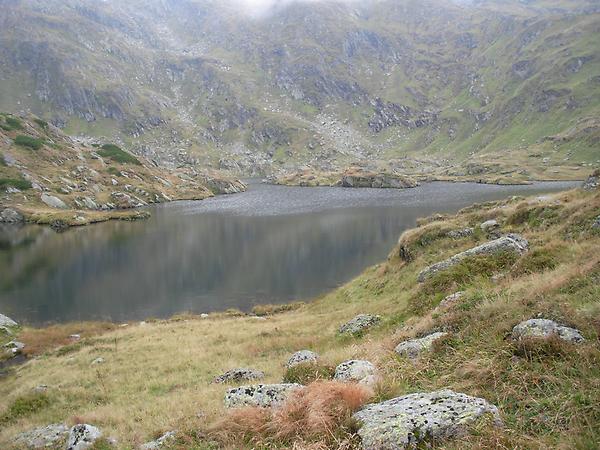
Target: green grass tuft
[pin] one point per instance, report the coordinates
(118, 155)
(12, 123)
(307, 373)
(28, 141)
(41, 123)
(25, 406)
(17, 183)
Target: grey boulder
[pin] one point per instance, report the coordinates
(9, 215)
(593, 181)
(489, 225)
(356, 370)
(240, 374)
(509, 243)
(6, 321)
(83, 436)
(160, 442)
(53, 202)
(14, 347)
(264, 395)
(414, 347)
(403, 422)
(359, 324)
(462, 233)
(50, 436)
(302, 357)
(544, 329)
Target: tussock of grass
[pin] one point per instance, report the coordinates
(267, 310)
(12, 123)
(18, 183)
(29, 142)
(308, 372)
(24, 406)
(115, 153)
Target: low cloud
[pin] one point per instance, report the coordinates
(263, 7)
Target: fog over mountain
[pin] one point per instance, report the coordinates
(261, 86)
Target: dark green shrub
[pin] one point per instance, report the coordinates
(17, 183)
(116, 154)
(114, 171)
(25, 406)
(13, 123)
(2, 161)
(28, 141)
(41, 123)
(307, 373)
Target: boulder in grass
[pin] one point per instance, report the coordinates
(356, 370)
(359, 324)
(302, 357)
(545, 329)
(50, 436)
(83, 436)
(160, 442)
(7, 322)
(414, 347)
(263, 395)
(406, 421)
(240, 374)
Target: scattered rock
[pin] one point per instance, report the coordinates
(302, 357)
(240, 374)
(161, 441)
(359, 324)
(360, 371)
(6, 321)
(53, 202)
(9, 215)
(75, 337)
(405, 421)
(462, 233)
(98, 361)
(509, 243)
(50, 436)
(264, 395)
(489, 225)
(83, 436)
(14, 347)
(593, 181)
(414, 347)
(544, 329)
(596, 224)
(41, 388)
(451, 299)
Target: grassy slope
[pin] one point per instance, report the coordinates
(157, 376)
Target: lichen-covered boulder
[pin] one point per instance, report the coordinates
(10, 215)
(6, 321)
(14, 347)
(53, 202)
(240, 374)
(462, 233)
(302, 357)
(264, 395)
(414, 347)
(509, 243)
(593, 181)
(403, 422)
(50, 436)
(544, 329)
(83, 436)
(356, 370)
(489, 226)
(160, 442)
(359, 324)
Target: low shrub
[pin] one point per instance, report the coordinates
(12, 123)
(307, 373)
(115, 153)
(17, 183)
(28, 141)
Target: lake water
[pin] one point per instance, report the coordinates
(272, 244)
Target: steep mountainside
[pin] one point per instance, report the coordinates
(321, 84)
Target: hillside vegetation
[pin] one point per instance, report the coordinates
(508, 85)
(157, 376)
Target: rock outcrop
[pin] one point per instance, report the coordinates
(160, 442)
(302, 357)
(414, 347)
(50, 436)
(489, 226)
(403, 422)
(377, 180)
(53, 202)
(83, 436)
(593, 181)
(6, 321)
(264, 395)
(356, 370)
(509, 243)
(239, 374)
(10, 215)
(220, 186)
(462, 233)
(359, 324)
(544, 329)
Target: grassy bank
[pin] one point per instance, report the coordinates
(156, 376)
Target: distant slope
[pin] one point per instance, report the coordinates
(319, 84)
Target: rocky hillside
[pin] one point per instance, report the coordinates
(479, 331)
(47, 177)
(313, 84)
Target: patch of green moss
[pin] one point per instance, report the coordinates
(115, 153)
(28, 141)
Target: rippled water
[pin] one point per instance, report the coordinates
(271, 244)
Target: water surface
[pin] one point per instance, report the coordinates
(272, 244)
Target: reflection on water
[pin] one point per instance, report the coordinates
(271, 244)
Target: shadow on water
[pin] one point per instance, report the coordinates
(271, 244)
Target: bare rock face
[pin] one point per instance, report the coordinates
(239, 374)
(359, 324)
(544, 329)
(83, 436)
(403, 422)
(302, 357)
(50, 436)
(9, 215)
(264, 395)
(53, 202)
(414, 347)
(509, 243)
(359, 371)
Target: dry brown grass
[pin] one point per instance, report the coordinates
(321, 412)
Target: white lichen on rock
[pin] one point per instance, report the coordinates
(265, 395)
(83, 436)
(239, 374)
(359, 324)
(544, 329)
(414, 347)
(403, 422)
(356, 370)
(302, 357)
(50, 436)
